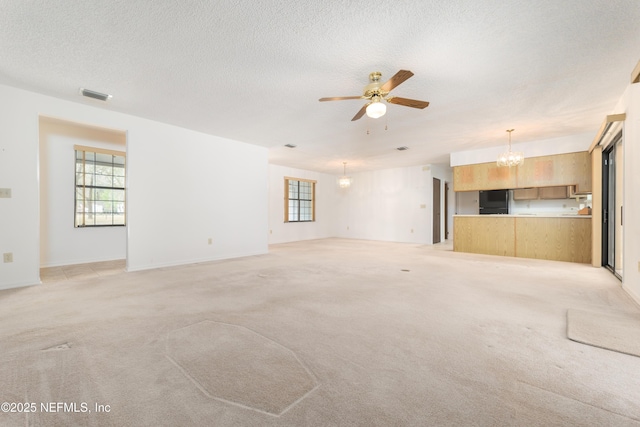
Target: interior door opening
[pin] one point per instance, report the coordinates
(98, 239)
(446, 210)
(436, 211)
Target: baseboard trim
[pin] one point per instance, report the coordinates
(80, 261)
(19, 285)
(191, 261)
(634, 297)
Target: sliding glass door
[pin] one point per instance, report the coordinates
(613, 210)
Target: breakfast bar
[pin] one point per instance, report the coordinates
(552, 237)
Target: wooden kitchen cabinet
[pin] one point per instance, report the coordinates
(557, 239)
(525, 194)
(483, 176)
(543, 171)
(547, 193)
(557, 170)
(543, 193)
(484, 234)
(563, 238)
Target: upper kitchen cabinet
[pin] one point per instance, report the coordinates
(542, 193)
(543, 171)
(557, 170)
(525, 193)
(483, 176)
(548, 193)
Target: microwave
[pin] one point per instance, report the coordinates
(494, 202)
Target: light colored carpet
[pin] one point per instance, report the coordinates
(329, 332)
(618, 332)
(236, 365)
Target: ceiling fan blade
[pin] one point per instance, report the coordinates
(360, 113)
(394, 81)
(413, 103)
(339, 98)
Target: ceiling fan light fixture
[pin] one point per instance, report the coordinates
(376, 92)
(376, 109)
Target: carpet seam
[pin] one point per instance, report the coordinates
(579, 401)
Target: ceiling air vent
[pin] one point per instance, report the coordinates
(95, 95)
(290, 145)
(403, 148)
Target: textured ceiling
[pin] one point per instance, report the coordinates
(254, 70)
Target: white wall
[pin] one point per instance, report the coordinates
(468, 203)
(327, 197)
(630, 104)
(183, 187)
(60, 242)
(390, 205)
(545, 206)
(543, 147)
(19, 215)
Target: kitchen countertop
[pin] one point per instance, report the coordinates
(541, 215)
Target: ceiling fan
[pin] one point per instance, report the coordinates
(376, 92)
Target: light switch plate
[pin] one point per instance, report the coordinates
(5, 193)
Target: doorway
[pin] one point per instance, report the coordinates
(436, 211)
(62, 242)
(612, 208)
(446, 211)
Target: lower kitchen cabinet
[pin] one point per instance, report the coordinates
(564, 238)
(484, 234)
(559, 239)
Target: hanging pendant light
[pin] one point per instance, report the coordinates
(510, 158)
(344, 181)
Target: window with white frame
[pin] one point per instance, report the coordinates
(100, 196)
(299, 200)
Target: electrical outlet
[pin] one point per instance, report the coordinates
(412, 230)
(5, 193)
(210, 240)
(270, 231)
(347, 227)
(8, 257)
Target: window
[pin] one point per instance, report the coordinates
(299, 200)
(100, 187)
